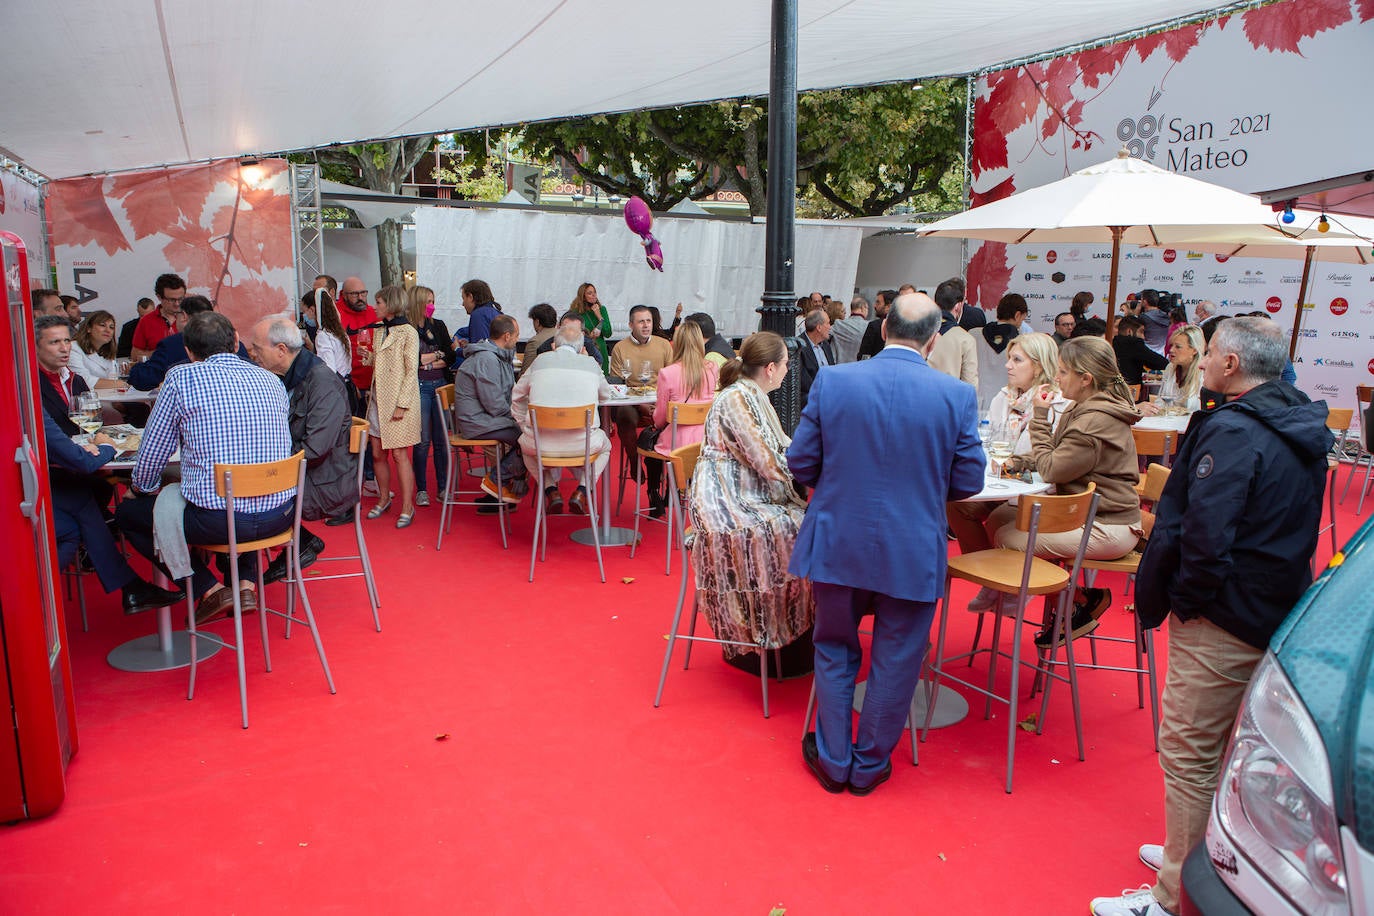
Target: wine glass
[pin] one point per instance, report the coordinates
(1166, 405)
(645, 373)
(89, 406)
(999, 449)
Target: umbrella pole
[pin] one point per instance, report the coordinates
(1111, 286)
(1302, 297)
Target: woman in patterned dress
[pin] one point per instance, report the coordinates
(745, 511)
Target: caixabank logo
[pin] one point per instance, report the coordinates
(1333, 363)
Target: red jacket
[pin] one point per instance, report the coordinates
(353, 323)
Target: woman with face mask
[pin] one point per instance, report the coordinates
(436, 358)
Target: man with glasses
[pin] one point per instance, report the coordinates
(161, 322)
(357, 317)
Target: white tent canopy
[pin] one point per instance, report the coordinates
(106, 85)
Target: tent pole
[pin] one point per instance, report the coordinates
(779, 307)
(1111, 285)
(1302, 297)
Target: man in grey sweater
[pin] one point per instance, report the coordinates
(481, 404)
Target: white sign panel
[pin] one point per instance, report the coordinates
(20, 213)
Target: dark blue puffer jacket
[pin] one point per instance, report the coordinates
(1238, 519)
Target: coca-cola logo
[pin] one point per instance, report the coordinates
(1222, 258)
(1339, 306)
(1169, 255)
(1273, 304)
(1370, 367)
(1051, 256)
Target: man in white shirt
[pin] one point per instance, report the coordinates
(563, 377)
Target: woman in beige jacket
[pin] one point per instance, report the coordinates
(394, 409)
(1092, 443)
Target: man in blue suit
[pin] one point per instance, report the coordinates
(875, 542)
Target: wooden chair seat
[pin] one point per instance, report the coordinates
(1127, 564)
(275, 540)
(458, 441)
(1001, 570)
(571, 461)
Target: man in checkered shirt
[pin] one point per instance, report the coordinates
(216, 409)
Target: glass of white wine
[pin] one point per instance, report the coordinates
(999, 449)
(89, 405)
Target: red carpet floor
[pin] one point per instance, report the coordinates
(557, 787)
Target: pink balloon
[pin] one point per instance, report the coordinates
(637, 216)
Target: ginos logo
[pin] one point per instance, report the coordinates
(1273, 304)
(1339, 306)
(1222, 258)
(1051, 256)
(1169, 255)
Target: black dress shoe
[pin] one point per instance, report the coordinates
(812, 755)
(312, 546)
(883, 777)
(140, 596)
(345, 519)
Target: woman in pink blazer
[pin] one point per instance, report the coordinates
(689, 377)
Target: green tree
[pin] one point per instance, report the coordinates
(859, 151)
(380, 166)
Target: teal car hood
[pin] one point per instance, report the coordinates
(1325, 648)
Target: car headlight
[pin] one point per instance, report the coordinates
(1274, 799)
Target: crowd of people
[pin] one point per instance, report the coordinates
(795, 538)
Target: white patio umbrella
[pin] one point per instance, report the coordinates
(1348, 240)
(1121, 200)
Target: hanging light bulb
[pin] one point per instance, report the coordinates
(1323, 225)
(1288, 215)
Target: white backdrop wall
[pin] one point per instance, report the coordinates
(1235, 102)
(21, 213)
(529, 257)
(888, 261)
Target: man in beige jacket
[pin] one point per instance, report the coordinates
(954, 352)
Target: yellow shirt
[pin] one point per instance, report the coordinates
(629, 356)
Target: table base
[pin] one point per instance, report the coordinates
(950, 707)
(610, 537)
(147, 653)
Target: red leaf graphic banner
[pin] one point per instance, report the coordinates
(81, 216)
(1004, 188)
(988, 274)
(1366, 9)
(1281, 26)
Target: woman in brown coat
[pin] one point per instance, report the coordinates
(1092, 443)
(394, 410)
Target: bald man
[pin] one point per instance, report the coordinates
(891, 418)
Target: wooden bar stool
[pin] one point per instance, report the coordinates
(459, 447)
(564, 418)
(681, 413)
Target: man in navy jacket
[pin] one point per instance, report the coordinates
(1226, 562)
(885, 443)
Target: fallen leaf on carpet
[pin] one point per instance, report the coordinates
(1028, 723)
(443, 737)
(942, 857)
(777, 911)
(1052, 760)
(628, 579)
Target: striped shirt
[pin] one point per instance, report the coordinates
(222, 410)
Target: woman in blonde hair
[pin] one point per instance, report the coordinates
(394, 409)
(587, 305)
(1183, 378)
(436, 355)
(1091, 444)
(746, 513)
(1031, 362)
(689, 377)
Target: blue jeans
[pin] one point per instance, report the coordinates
(431, 429)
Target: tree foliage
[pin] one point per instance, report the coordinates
(860, 151)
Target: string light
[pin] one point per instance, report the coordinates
(1288, 214)
(1323, 225)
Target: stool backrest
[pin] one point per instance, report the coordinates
(1338, 418)
(446, 396)
(685, 413)
(547, 418)
(1156, 476)
(684, 461)
(357, 436)
(1155, 441)
(1057, 513)
(259, 479)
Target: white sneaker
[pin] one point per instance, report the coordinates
(422, 498)
(984, 600)
(1131, 903)
(1152, 855)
